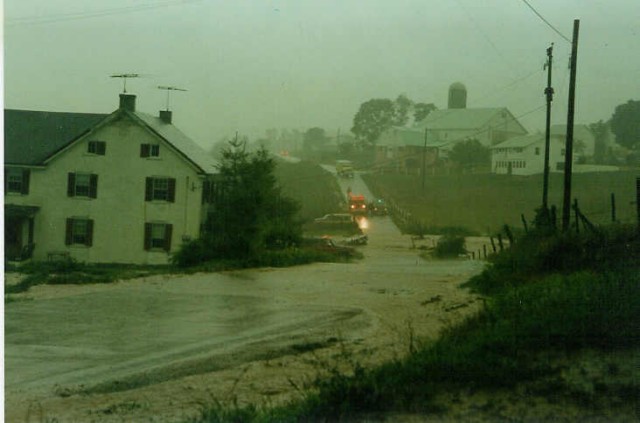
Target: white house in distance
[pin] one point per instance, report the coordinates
(126, 187)
(525, 155)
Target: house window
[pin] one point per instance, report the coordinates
(79, 232)
(160, 189)
(97, 147)
(562, 152)
(537, 151)
(149, 150)
(157, 236)
(82, 185)
(16, 181)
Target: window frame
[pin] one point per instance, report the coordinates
(75, 236)
(99, 148)
(148, 150)
(91, 188)
(21, 180)
(152, 242)
(151, 189)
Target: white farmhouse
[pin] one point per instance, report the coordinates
(125, 187)
(525, 155)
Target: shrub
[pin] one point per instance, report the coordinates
(450, 246)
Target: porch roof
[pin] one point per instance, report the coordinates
(14, 210)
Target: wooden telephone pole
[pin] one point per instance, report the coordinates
(547, 135)
(568, 159)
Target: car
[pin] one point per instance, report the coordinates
(335, 218)
(326, 245)
(378, 207)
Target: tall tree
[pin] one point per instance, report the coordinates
(372, 119)
(250, 213)
(401, 108)
(422, 110)
(600, 132)
(625, 124)
(314, 138)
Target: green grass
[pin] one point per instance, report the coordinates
(483, 203)
(315, 189)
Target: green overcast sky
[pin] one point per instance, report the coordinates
(253, 65)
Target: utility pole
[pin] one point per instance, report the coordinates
(424, 159)
(547, 135)
(568, 159)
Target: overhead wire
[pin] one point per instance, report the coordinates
(62, 17)
(547, 22)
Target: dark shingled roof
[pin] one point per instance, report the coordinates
(30, 136)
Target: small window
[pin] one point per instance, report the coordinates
(79, 232)
(160, 189)
(157, 236)
(149, 150)
(16, 181)
(562, 152)
(537, 151)
(82, 185)
(97, 147)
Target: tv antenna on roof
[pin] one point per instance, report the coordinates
(168, 90)
(124, 76)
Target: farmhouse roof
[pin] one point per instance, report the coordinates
(32, 136)
(462, 118)
(182, 143)
(35, 137)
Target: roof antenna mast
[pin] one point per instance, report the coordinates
(168, 90)
(124, 77)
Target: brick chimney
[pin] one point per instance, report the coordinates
(128, 102)
(165, 116)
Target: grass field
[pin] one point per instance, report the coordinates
(484, 203)
(315, 189)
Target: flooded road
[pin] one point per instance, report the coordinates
(175, 340)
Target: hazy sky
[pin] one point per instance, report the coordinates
(253, 65)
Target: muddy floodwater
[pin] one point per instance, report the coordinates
(155, 349)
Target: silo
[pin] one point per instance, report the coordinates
(457, 96)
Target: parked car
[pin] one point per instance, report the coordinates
(326, 244)
(335, 218)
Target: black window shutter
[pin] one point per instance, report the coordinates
(93, 186)
(171, 194)
(168, 231)
(25, 181)
(89, 242)
(144, 150)
(71, 186)
(102, 148)
(68, 238)
(148, 190)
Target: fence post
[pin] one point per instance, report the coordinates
(500, 242)
(507, 231)
(493, 244)
(613, 207)
(577, 214)
(484, 249)
(524, 223)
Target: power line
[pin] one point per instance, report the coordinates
(546, 21)
(62, 17)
